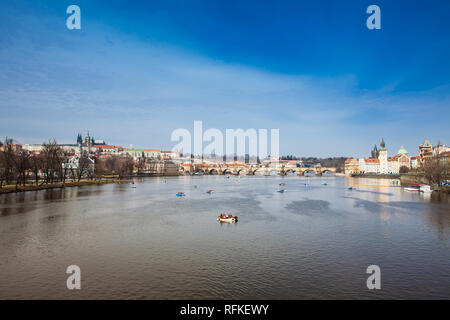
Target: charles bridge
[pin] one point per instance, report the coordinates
(244, 169)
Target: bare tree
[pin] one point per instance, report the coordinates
(434, 169)
(100, 168)
(36, 163)
(7, 162)
(21, 166)
(125, 166)
(140, 165)
(84, 165)
(111, 164)
(403, 169)
(52, 160)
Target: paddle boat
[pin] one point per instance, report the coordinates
(282, 184)
(210, 191)
(324, 184)
(227, 218)
(351, 188)
(281, 190)
(180, 194)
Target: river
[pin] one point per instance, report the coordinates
(314, 241)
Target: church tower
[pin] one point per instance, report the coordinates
(375, 152)
(87, 139)
(79, 139)
(79, 150)
(383, 157)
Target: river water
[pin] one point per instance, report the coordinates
(314, 241)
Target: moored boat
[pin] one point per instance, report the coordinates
(425, 189)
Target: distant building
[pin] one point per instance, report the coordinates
(425, 150)
(34, 148)
(142, 153)
(444, 157)
(381, 164)
(439, 149)
(106, 149)
(351, 166)
(415, 162)
(169, 155)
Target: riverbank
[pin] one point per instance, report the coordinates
(378, 176)
(34, 187)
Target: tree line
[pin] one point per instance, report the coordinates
(52, 165)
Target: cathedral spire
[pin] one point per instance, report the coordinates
(382, 144)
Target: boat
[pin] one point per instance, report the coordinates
(281, 191)
(351, 188)
(227, 218)
(209, 191)
(180, 194)
(425, 189)
(324, 184)
(282, 184)
(413, 189)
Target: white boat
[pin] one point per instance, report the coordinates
(228, 218)
(412, 189)
(425, 189)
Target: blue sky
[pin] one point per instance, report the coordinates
(138, 70)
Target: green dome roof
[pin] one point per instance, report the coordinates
(402, 150)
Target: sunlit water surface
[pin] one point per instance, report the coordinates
(314, 241)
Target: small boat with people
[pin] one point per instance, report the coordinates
(180, 194)
(210, 191)
(281, 190)
(227, 218)
(324, 184)
(282, 184)
(351, 188)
